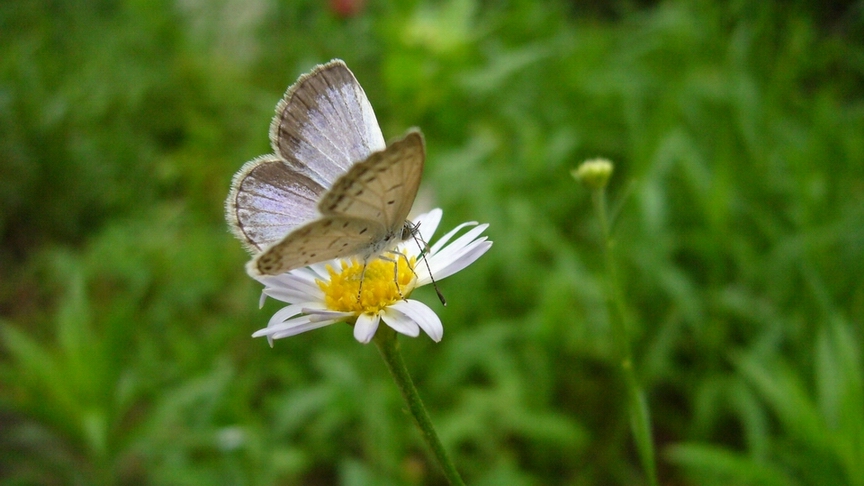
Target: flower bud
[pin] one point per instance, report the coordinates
(594, 173)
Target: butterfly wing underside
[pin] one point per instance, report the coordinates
(323, 125)
(363, 214)
(318, 241)
(383, 187)
(267, 200)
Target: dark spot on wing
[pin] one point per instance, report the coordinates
(363, 230)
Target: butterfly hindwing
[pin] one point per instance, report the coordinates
(382, 187)
(267, 200)
(320, 240)
(325, 123)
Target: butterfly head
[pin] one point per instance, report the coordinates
(409, 230)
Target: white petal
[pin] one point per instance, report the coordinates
(279, 280)
(320, 269)
(285, 314)
(460, 242)
(442, 269)
(293, 331)
(454, 251)
(444, 239)
(294, 295)
(365, 327)
(291, 328)
(291, 320)
(269, 330)
(324, 314)
(425, 317)
(400, 322)
(454, 257)
(429, 223)
(292, 287)
(441, 258)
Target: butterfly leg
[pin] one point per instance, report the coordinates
(395, 275)
(396, 270)
(360, 287)
(404, 257)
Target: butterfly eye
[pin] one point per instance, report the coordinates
(408, 230)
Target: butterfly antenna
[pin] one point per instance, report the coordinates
(424, 252)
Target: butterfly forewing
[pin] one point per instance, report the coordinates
(381, 188)
(268, 199)
(321, 240)
(324, 124)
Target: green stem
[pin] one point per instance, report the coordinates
(639, 415)
(388, 345)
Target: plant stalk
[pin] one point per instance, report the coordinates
(388, 344)
(640, 422)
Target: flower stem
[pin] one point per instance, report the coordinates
(388, 345)
(640, 422)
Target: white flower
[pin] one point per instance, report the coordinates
(327, 293)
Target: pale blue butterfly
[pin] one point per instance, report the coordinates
(332, 188)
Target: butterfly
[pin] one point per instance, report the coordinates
(332, 188)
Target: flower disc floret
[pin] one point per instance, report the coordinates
(384, 282)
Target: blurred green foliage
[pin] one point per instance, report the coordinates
(737, 129)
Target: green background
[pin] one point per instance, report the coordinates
(737, 130)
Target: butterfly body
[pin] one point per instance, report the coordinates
(332, 189)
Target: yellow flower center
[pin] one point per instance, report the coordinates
(379, 287)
